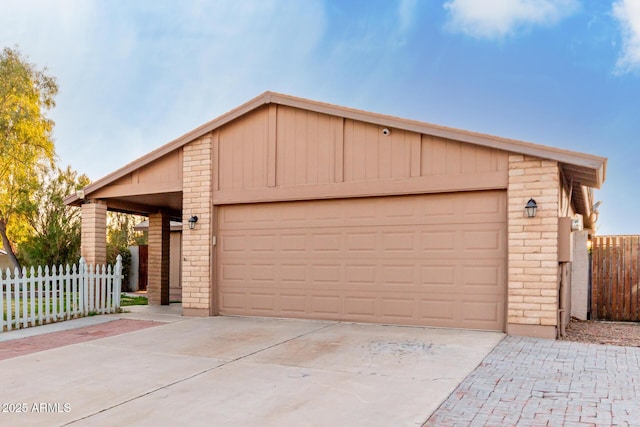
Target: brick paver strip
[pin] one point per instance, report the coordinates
(22, 346)
(538, 382)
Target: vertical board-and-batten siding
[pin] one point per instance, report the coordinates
(285, 153)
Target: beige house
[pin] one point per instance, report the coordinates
(311, 210)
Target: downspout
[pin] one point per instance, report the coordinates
(560, 319)
(589, 283)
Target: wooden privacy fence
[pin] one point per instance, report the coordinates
(615, 266)
(36, 297)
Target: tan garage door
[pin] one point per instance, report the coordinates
(436, 260)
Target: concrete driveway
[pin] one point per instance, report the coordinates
(232, 371)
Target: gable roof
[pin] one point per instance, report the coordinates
(580, 168)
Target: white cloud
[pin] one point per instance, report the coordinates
(496, 19)
(627, 12)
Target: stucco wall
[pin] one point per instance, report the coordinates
(5, 262)
(580, 275)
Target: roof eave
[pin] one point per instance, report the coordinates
(591, 162)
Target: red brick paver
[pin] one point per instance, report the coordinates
(22, 346)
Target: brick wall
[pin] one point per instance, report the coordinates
(532, 292)
(196, 243)
(158, 274)
(94, 232)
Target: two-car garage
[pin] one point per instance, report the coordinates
(297, 208)
(437, 259)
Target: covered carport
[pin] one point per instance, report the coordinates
(151, 188)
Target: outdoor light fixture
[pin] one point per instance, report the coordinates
(531, 208)
(192, 222)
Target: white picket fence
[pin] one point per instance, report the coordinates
(41, 296)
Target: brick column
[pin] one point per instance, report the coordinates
(158, 270)
(197, 294)
(532, 296)
(93, 244)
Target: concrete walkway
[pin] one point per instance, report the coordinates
(536, 382)
(241, 371)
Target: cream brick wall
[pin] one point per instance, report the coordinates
(197, 298)
(93, 243)
(532, 294)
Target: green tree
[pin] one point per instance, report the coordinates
(26, 144)
(55, 238)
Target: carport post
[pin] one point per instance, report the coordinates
(93, 246)
(158, 270)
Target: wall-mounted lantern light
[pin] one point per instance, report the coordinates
(531, 208)
(192, 222)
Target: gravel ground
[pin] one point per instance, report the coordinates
(610, 333)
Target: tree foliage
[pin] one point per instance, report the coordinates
(121, 230)
(26, 144)
(56, 227)
(121, 234)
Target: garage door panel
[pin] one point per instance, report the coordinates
(362, 242)
(358, 307)
(233, 300)
(293, 303)
(357, 274)
(443, 275)
(482, 312)
(230, 272)
(387, 259)
(479, 277)
(326, 304)
(264, 302)
(293, 273)
(326, 242)
(326, 273)
(438, 310)
(394, 275)
(261, 242)
(262, 273)
(437, 242)
(398, 241)
(233, 243)
(398, 308)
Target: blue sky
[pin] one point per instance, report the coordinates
(134, 75)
